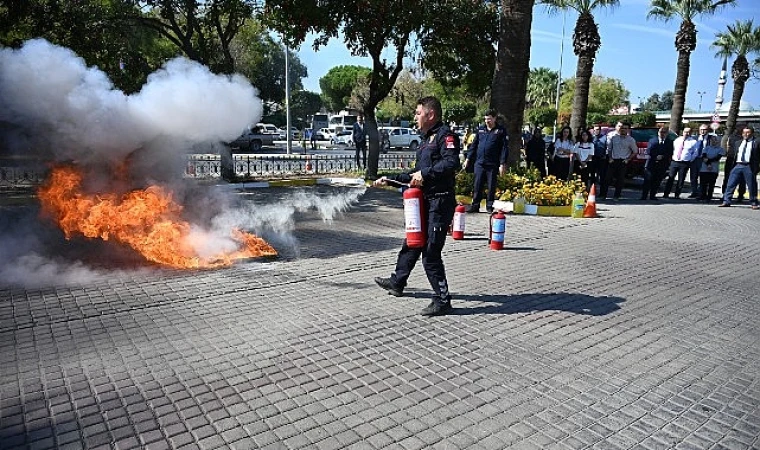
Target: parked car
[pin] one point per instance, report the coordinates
(328, 133)
(307, 135)
(400, 137)
(343, 138)
(268, 128)
(253, 139)
(294, 133)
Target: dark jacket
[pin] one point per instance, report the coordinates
(754, 156)
(359, 133)
(437, 160)
(655, 149)
(490, 147)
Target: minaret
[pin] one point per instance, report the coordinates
(721, 85)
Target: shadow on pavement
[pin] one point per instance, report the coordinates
(521, 303)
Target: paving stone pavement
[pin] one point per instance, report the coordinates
(637, 330)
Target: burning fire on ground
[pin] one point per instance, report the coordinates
(147, 220)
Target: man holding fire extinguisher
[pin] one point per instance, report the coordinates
(434, 171)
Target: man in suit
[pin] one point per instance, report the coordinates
(659, 152)
(746, 168)
(731, 161)
(696, 164)
(360, 141)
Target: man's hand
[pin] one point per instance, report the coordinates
(502, 169)
(416, 179)
(380, 182)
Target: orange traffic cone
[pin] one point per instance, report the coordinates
(590, 210)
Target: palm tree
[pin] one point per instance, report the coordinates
(686, 42)
(542, 87)
(510, 78)
(741, 39)
(586, 43)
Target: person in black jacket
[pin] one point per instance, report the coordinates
(434, 172)
(489, 153)
(659, 152)
(535, 152)
(359, 136)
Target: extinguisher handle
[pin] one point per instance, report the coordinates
(397, 183)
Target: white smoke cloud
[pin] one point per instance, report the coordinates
(49, 91)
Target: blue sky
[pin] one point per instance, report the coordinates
(638, 51)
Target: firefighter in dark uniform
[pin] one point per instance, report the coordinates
(489, 152)
(435, 168)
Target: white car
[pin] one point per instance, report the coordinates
(268, 128)
(328, 133)
(343, 138)
(294, 133)
(401, 137)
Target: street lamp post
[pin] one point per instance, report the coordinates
(559, 75)
(288, 137)
(700, 93)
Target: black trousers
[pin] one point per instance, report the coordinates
(679, 168)
(652, 180)
(561, 168)
(361, 147)
(440, 214)
(616, 170)
(707, 184)
(485, 175)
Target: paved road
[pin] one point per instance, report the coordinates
(638, 330)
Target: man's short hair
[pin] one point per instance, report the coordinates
(626, 124)
(432, 104)
(750, 128)
(490, 112)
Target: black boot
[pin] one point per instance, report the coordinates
(388, 285)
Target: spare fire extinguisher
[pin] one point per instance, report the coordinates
(497, 227)
(458, 224)
(414, 217)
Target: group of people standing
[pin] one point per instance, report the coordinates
(604, 159)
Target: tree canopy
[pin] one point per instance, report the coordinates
(338, 84)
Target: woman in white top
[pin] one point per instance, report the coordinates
(584, 156)
(563, 151)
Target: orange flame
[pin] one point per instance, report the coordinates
(147, 220)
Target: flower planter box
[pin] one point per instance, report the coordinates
(560, 211)
(531, 209)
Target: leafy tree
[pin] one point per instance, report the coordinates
(542, 87)
(375, 29)
(262, 60)
(604, 95)
(303, 104)
(686, 42)
(740, 39)
(90, 28)
(472, 29)
(540, 117)
(338, 83)
(510, 80)
(202, 29)
(586, 43)
(657, 102)
(401, 101)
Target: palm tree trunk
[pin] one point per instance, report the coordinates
(740, 73)
(580, 98)
(510, 79)
(679, 94)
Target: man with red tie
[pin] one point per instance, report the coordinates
(746, 168)
(683, 155)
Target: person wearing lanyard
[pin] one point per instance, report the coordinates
(746, 168)
(696, 163)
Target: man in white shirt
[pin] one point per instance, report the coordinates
(684, 151)
(621, 149)
(746, 168)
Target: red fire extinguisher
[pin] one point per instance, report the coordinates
(414, 217)
(497, 227)
(458, 224)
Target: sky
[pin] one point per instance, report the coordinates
(638, 51)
